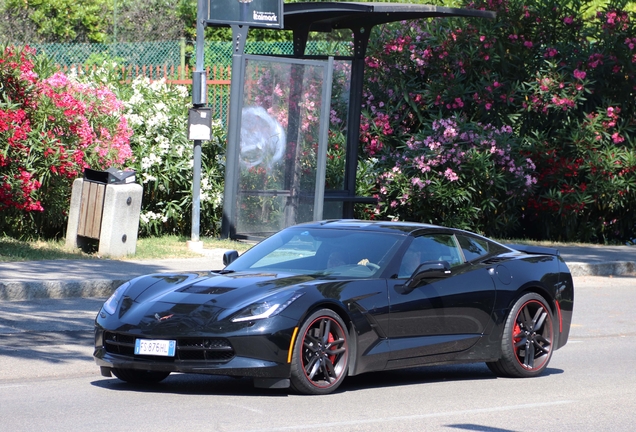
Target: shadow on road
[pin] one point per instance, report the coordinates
(192, 384)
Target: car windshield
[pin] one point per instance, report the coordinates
(334, 252)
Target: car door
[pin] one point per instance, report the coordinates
(443, 314)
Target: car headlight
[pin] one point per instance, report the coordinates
(267, 308)
(111, 304)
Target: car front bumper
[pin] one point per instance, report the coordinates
(261, 350)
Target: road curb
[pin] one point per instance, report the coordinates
(58, 289)
(613, 268)
(13, 291)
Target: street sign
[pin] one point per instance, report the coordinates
(200, 124)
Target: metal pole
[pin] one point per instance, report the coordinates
(196, 102)
(361, 36)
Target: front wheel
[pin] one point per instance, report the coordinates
(136, 376)
(320, 358)
(527, 339)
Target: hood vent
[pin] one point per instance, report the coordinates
(203, 289)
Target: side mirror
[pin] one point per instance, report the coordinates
(229, 257)
(429, 270)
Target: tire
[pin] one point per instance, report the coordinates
(320, 359)
(526, 343)
(137, 376)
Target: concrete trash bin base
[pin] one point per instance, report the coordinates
(114, 215)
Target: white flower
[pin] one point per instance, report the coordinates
(218, 199)
(135, 99)
(160, 119)
(146, 163)
(134, 119)
(179, 150)
(164, 144)
(148, 178)
(183, 91)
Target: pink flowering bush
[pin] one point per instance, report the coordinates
(456, 173)
(51, 128)
(560, 81)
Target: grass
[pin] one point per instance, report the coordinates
(147, 248)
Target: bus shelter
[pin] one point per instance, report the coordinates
(280, 106)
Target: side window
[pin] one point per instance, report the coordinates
(431, 247)
(473, 248)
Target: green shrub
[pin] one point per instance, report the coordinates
(456, 173)
(562, 79)
(158, 114)
(51, 128)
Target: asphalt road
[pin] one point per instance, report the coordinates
(48, 381)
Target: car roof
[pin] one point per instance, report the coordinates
(365, 225)
(397, 227)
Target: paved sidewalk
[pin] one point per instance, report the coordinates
(99, 277)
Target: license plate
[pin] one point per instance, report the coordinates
(155, 347)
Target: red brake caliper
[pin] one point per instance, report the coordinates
(515, 332)
(332, 358)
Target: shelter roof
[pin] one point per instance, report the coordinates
(328, 16)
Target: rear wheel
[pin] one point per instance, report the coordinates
(320, 359)
(137, 376)
(527, 339)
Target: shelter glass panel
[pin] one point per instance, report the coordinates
(279, 150)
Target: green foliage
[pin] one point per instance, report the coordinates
(150, 20)
(560, 75)
(51, 128)
(563, 80)
(456, 173)
(65, 20)
(158, 114)
(97, 21)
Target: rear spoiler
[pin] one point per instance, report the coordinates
(534, 250)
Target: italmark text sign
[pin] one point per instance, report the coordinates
(253, 13)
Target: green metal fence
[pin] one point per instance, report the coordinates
(157, 60)
(146, 53)
(172, 53)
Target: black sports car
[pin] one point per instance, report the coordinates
(320, 301)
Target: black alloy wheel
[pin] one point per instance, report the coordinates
(320, 359)
(527, 339)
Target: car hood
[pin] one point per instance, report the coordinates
(200, 298)
(224, 290)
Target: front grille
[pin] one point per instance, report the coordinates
(211, 349)
(190, 349)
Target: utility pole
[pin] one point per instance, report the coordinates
(199, 99)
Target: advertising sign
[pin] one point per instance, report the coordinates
(253, 13)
